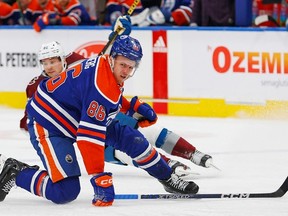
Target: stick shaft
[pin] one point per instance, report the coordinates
(116, 33)
(278, 193)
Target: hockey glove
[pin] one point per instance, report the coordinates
(103, 189)
(182, 16)
(148, 115)
(46, 19)
(158, 16)
(265, 21)
(124, 24)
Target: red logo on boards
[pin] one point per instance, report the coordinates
(91, 48)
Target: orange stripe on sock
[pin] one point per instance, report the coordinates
(55, 173)
(148, 157)
(40, 183)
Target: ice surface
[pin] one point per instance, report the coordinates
(252, 154)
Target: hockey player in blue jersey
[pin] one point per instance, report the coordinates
(158, 136)
(80, 105)
(53, 61)
(67, 13)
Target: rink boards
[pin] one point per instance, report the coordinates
(215, 72)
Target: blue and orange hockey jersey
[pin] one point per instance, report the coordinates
(79, 104)
(74, 14)
(34, 10)
(116, 8)
(5, 13)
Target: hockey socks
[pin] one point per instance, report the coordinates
(39, 183)
(174, 144)
(183, 149)
(151, 161)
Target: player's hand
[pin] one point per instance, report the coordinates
(145, 122)
(39, 24)
(46, 19)
(103, 189)
(123, 24)
(148, 115)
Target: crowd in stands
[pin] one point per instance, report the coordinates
(42, 13)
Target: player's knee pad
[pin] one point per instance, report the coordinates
(110, 156)
(156, 135)
(126, 139)
(63, 191)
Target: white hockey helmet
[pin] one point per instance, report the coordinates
(50, 50)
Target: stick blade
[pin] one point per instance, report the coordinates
(278, 193)
(283, 188)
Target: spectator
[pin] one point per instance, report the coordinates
(213, 13)
(38, 8)
(116, 8)
(5, 13)
(101, 11)
(269, 13)
(90, 6)
(10, 2)
(25, 12)
(68, 12)
(18, 12)
(153, 12)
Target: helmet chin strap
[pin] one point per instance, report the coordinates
(64, 64)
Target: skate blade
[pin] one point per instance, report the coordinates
(215, 167)
(184, 173)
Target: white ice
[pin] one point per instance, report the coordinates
(252, 154)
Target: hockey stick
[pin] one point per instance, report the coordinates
(116, 32)
(278, 193)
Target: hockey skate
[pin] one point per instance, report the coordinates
(9, 168)
(201, 159)
(180, 169)
(179, 186)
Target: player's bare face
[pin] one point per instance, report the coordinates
(123, 69)
(24, 3)
(52, 66)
